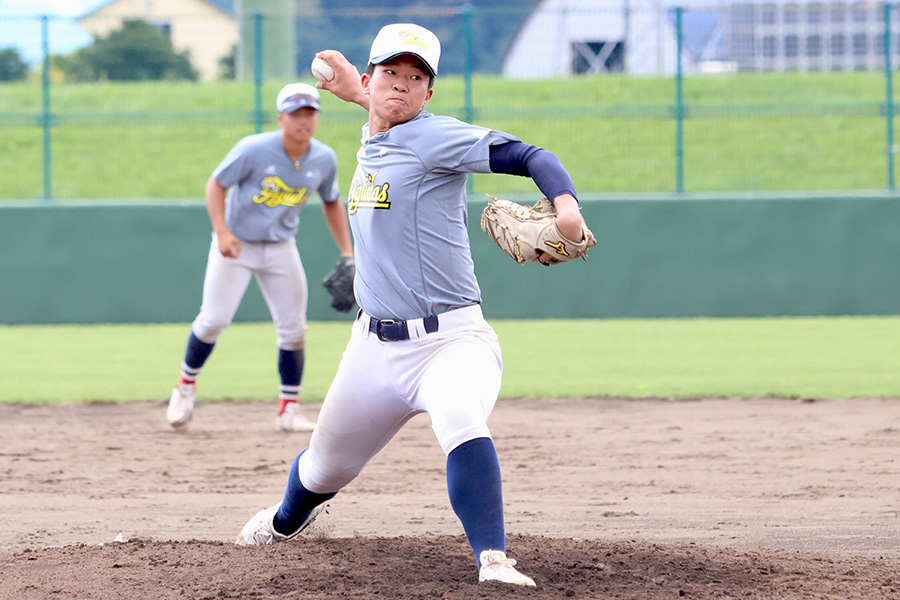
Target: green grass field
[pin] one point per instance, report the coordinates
(774, 131)
(842, 357)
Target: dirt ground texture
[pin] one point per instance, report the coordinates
(605, 498)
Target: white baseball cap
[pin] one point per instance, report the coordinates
(297, 95)
(406, 38)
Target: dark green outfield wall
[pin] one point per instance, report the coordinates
(656, 257)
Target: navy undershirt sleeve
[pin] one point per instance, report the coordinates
(526, 160)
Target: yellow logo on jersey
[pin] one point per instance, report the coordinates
(560, 248)
(365, 194)
(275, 192)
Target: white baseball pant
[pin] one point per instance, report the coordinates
(452, 374)
(281, 278)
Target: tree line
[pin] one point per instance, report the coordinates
(137, 51)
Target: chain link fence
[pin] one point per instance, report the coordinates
(640, 97)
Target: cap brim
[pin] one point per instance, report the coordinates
(302, 102)
(292, 106)
(386, 57)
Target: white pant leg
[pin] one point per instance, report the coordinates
(362, 411)
(460, 386)
(224, 285)
(454, 375)
(282, 280)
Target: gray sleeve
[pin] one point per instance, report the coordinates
(235, 166)
(454, 146)
(330, 190)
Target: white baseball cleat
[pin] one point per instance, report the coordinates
(495, 566)
(181, 405)
(260, 530)
(292, 421)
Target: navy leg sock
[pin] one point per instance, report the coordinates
(197, 352)
(290, 366)
(297, 504)
(476, 495)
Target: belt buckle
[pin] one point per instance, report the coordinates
(389, 330)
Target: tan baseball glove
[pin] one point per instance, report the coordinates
(526, 232)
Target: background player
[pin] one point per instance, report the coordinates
(268, 177)
(420, 342)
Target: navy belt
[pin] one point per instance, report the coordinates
(391, 330)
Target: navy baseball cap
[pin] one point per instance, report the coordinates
(297, 95)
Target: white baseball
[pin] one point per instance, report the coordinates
(321, 70)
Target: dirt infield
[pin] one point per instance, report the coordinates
(605, 498)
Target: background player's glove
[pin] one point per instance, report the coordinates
(339, 283)
(526, 232)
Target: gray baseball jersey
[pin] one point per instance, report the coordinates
(407, 208)
(266, 192)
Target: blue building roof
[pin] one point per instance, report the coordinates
(223, 4)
